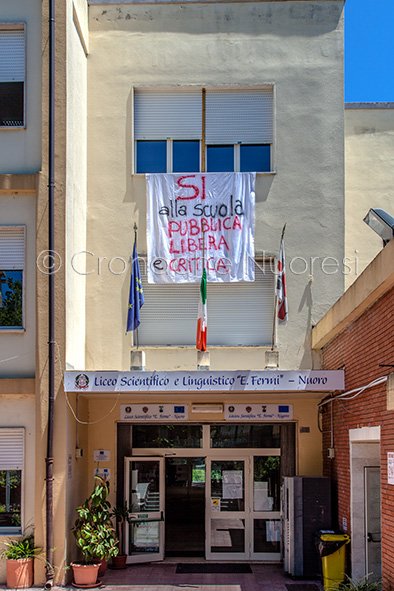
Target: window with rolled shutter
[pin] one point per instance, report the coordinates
(12, 449)
(12, 264)
(239, 314)
(12, 75)
(168, 130)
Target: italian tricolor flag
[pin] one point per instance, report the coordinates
(202, 319)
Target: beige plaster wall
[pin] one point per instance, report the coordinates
(104, 413)
(369, 144)
(20, 149)
(17, 348)
(60, 492)
(74, 433)
(18, 411)
(298, 47)
(76, 183)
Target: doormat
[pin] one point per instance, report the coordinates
(302, 587)
(212, 567)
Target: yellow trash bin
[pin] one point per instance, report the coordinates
(332, 548)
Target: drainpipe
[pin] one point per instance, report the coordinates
(51, 304)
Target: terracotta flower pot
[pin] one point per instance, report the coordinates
(119, 561)
(19, 573)
(103, 567)
(85, 574)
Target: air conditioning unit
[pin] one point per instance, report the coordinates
(306, 509)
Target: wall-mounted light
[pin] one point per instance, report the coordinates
(382, 223)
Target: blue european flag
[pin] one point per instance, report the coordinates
(136, 296)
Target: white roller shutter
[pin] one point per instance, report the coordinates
(234, 116)
(239, 314)
(12, 248)
(12, 55)
(167, 114)
(11, 448)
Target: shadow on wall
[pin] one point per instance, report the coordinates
(308, 19)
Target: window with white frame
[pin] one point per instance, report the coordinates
(12, 264)
(11, 478)
(12, 75)
(238, 130)
(239, 314)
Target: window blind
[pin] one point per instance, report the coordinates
(239, 314)
(12, 55)
(11, 448)
(167, 114)
(234, 116)
(12, 248)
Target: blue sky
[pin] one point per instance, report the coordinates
(369, 50)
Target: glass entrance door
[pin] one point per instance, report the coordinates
(144, 492)
(227, 500)
(265, 518)
(243, 508)
(185, 506)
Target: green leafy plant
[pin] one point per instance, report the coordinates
(93, 531)
(363, 584)
(22, 548)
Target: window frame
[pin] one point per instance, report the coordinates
(236, 146)
(18, 329)
(17, 26)
(17, 530)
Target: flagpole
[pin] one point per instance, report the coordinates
(276, 296)
(203, 159)
(136, 339)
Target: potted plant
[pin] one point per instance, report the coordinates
(121, 515)
(94, 534)
(365, 584)
(20, 554)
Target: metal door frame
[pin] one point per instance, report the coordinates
(211, 515)
(210, 454)
(249, 514)
(150, 516)
(367, 534)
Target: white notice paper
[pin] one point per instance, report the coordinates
(232, 484)
(262, 502)
(390, 467)
(273, 531)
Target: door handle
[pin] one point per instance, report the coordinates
(373, 537)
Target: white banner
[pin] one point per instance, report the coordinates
(204, 381)
(195, 216)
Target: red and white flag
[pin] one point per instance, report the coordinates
(281, 291)
(202, 318)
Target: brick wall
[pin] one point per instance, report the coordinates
(360, 349)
